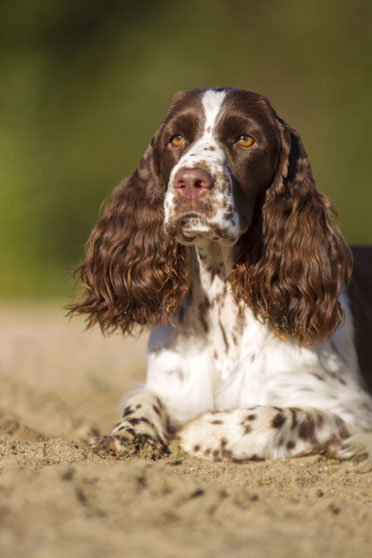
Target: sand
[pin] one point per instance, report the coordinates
(61, 385)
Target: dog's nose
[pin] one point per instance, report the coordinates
(192, 183)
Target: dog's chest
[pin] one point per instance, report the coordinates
(226, 322)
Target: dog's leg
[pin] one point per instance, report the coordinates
(144, 424)
(262, 432)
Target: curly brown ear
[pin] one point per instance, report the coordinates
(133, 273)
(293, 260)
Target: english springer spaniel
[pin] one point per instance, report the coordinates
(222, 244)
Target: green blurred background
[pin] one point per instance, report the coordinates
(85, 84)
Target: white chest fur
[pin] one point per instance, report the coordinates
(217, 355)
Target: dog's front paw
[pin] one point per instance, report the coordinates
(104, 445)
(128, 442)
(142, 431)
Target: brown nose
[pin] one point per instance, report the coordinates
(192, 183)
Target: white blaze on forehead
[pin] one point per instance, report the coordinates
(212, 101)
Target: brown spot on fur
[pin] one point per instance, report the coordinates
(319, 420)
(177, 372)
(160, 403)
(278, 420)
(131, 431)
(247, 428)
(146, 420)
(291, 444)
(181, 314)
(223, 442)
(293, 411)
(216, 455)
(207, 452)
(240, 322)
(226, 454)
(306, 429)
(224, 335)
(157, 410)
(216, 421)
(128, 411)
(330, 447)
(133, 421)
(196, 447)
(344, 433)
(251, 417)
(202, 314)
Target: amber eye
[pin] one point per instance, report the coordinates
(177, 140)
(245, 141)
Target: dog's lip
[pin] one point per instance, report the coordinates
(194, 225)
(190, 226)
(190, 219)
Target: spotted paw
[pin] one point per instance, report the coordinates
(143, 430)
(128, 445)
(104, 445)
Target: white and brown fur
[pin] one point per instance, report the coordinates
(219, 375)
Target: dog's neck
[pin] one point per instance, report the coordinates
(210, 266)
(209, 305)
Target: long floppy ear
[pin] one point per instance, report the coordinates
(293, 261)
(133, 273)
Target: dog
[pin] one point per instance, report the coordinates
(221, 243)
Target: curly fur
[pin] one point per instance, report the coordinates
(293, 261)
(133, 273)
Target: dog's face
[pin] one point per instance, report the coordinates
(218, 151)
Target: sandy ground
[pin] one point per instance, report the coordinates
(60, 385)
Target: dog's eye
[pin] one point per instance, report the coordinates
(245, 141)
(177, 140)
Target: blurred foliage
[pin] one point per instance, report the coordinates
(85, 84)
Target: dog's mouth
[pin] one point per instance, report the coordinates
(193, 228)
(189, 227)
(192, 223)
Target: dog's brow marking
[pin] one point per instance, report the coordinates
(212, 101)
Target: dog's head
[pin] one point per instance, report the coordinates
(222, 167)
(220, 150)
